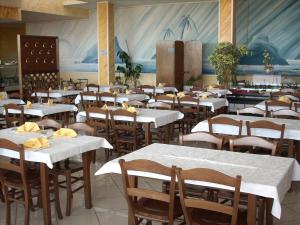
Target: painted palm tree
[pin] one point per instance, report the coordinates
(186, 24)
(168, 34)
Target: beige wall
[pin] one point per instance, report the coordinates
(8, 41)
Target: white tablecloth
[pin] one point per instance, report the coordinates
(161, 90)
(220, 92)
(45, 109)
(213, 103)
(105, 88)
(58, 93)
(272, 179)
(158, 117)
(120, 98)
(292, 127)
(60, 148)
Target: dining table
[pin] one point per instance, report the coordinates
(121, 98)
(270, 180)
(60, 148)
(44, 109)
(57, 93)
(160, 90)
(10, 101)
(144, 116)
(292, 128)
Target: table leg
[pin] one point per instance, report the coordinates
(269, 216)
(251, 214)
(87, 180)
(45, 193)
(147, 134)
(66, 118)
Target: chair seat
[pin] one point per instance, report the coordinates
(156, 210)
(206, 217)
(14, 179)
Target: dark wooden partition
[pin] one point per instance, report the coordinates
(38, 63)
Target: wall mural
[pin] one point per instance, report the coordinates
(78, 48)
(139, 28)
(272, 25)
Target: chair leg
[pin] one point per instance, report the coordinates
(69, 193)
(8, 212)
(27, 213)
(56, 195)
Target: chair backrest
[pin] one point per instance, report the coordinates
(133, 192)
(98, 123)
(89, 99)
(275, 95)
(285, 114)
(108, 98)
(224, 121)
(188, 104)
(278, 104)
(159, 105)
(90, 87)
(49, 123)
(129, 125)
(136, 103)
(41, 91)
(251, 111)
(202, 137)
(264, 124)
(62, 100)
(82, 128)
(148, 87)
(12, 118)
(250, 141)
(166, 99)
(211, 176)
(10, 165)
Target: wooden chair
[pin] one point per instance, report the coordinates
(297, 106)
(268, 125)
(152, 94)
(18, 182)
(89, 99)
(101, 125)
(69, 168)
(192, 111)
(167, 99)
(127, 134)
(253, 142)
(150, 205)
(278, 104)
(136, 103)
(91, 87)
(234, 124)
(44, 92)
(202, 211)
(202, 137)
(108, 98)
(13, 119)
(275, 95)
(163, 133)
(252, 111)
(285, 114)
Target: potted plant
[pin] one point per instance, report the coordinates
(267, 61)
(225, 59)
(130, 70)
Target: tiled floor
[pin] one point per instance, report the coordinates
(110, 206)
